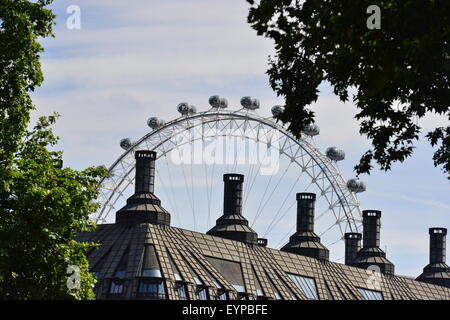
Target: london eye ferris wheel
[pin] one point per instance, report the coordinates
(197, 148)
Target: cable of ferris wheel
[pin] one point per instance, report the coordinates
(284, 214)
(177, 212)
(329, 228)
(207, 186)
(262, 197)
(290, 231)
(288, 195)
(187, 189)
(237, 154)
(260, 209)
(285, 236)
(253, 182)
(165, 192)
(192, 178)
(250, 175)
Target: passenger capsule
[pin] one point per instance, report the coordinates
(192, 109)
(183, 108)
(311, 130)
(250, 103)
(155, 123)
(356, 185)
(276, 110)
(335, 154)
(217, 101)
(125, 143)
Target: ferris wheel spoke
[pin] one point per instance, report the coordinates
(187, 191)
(329, 228)
(334, 242)
(207, 196)
(177, 212)
(253, 182)
(271, 194)
(262, 198)
(192, 179)
(237, 155)
(283, 240)
(281, 217)
(284, 214)
(211, 188)
(172, 207)
(205, 167)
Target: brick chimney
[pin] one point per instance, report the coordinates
(437, 271)
(371, 254)
(143, 206)
(232, 225)
(304, 241)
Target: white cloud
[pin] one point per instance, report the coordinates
(431, 203)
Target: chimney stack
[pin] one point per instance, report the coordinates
(143, 206)
(305, 241)
(437, 244)
(371, 254)
(305, 212)
(437, 271)
(145, 171)
(232, 225)
(352, 246)
(232, 195)
(371, 228)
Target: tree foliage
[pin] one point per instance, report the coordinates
(399, 73)
(42, 205)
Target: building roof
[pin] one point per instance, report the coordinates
(142, 257)
(198, 260)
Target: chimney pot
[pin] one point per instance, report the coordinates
(437, 271)
(305, 212)
(144, 206)
(305, 241)
(232, 200)
(437, 244)
(232, 225)
(145, 171)
(370, 253)
(352, 246)
(371, 228)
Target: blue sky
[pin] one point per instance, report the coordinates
(132, 60)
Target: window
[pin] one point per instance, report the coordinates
(152, 288)
(370, 294)
(197, 280)
(306, 285)
(116, 287)
(150, 263)
(278, 295)
(242, 296)
(202, 293)
(238, 288)
(119, 274)
(222, 295)
(151, 273)
(180, 289)
(178, 276)
(218, 286)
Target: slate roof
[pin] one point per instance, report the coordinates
(198, 261)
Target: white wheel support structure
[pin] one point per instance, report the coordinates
(247, 124)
